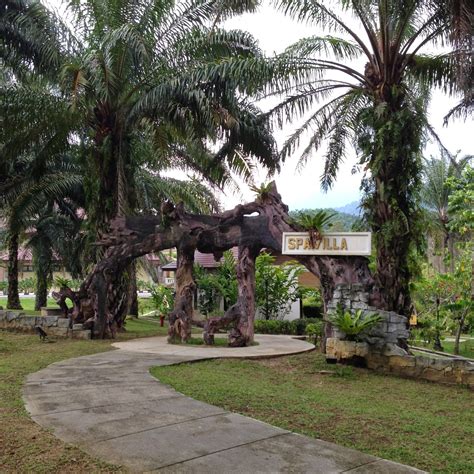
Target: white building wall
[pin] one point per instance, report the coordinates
(294, 312)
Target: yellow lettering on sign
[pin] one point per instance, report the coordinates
(334, 244)
(326, 244)
(317, 244)
(307, 244)
(343, 244)
(291, 244)
(299, 243)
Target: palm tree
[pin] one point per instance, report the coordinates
(125, 74)
(379, 109)
(435, 194)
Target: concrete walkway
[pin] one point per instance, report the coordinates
(110, 406)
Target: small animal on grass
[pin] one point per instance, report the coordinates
(41, 333)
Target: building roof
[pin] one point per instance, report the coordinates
(206, 260)
(24, 255)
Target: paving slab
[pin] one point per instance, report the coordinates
(111, 421)
(111, 406)
(164, 446)
(43, 403)
(288, 453)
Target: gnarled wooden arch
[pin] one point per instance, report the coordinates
(250, 227)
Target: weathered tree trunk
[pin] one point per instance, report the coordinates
(242, 314)
(242, 334)
(13, 298)
(180, 319)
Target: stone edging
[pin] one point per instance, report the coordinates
(53, 325)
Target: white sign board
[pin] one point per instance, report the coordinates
(331, 243)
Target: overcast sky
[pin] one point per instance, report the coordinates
(274, 33)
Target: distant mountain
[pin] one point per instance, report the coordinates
(351, 208)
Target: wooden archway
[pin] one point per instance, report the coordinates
(250, 227)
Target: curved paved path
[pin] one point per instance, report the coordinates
(110, 405)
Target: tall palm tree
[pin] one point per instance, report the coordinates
(379, 109)
(125, 71)
(435, 194)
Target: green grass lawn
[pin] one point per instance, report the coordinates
(28, 304)
(466, 348)
(417, 423)
(25, 446)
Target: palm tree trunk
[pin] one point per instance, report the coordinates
(391, 204)
(451, 252)
(392, 272)
(133, 311)
(41, 298)
(13, 299)
(109, 198)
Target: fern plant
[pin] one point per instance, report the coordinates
(354, 324)
(314, 222)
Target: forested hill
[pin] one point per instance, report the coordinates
(341, 222)
(352, 208)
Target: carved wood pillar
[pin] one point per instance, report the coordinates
(180, 319)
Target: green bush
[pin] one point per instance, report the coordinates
(314, 331)
(27, 285)
(296, 327)
(312, 302)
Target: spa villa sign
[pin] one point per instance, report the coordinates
(331, 243)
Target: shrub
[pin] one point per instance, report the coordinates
(27, 284)
(314, 331)
(163, 299)
(297, 327)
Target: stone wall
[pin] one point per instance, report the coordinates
(393, 329)
(394, 360)
(382, 348)
(53, 325)
(446, 371)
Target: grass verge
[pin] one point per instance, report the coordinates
(425, 425)
(24, 445)
(28, 304)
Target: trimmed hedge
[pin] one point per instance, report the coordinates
(297, 327)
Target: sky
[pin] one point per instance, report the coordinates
(300, 189)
